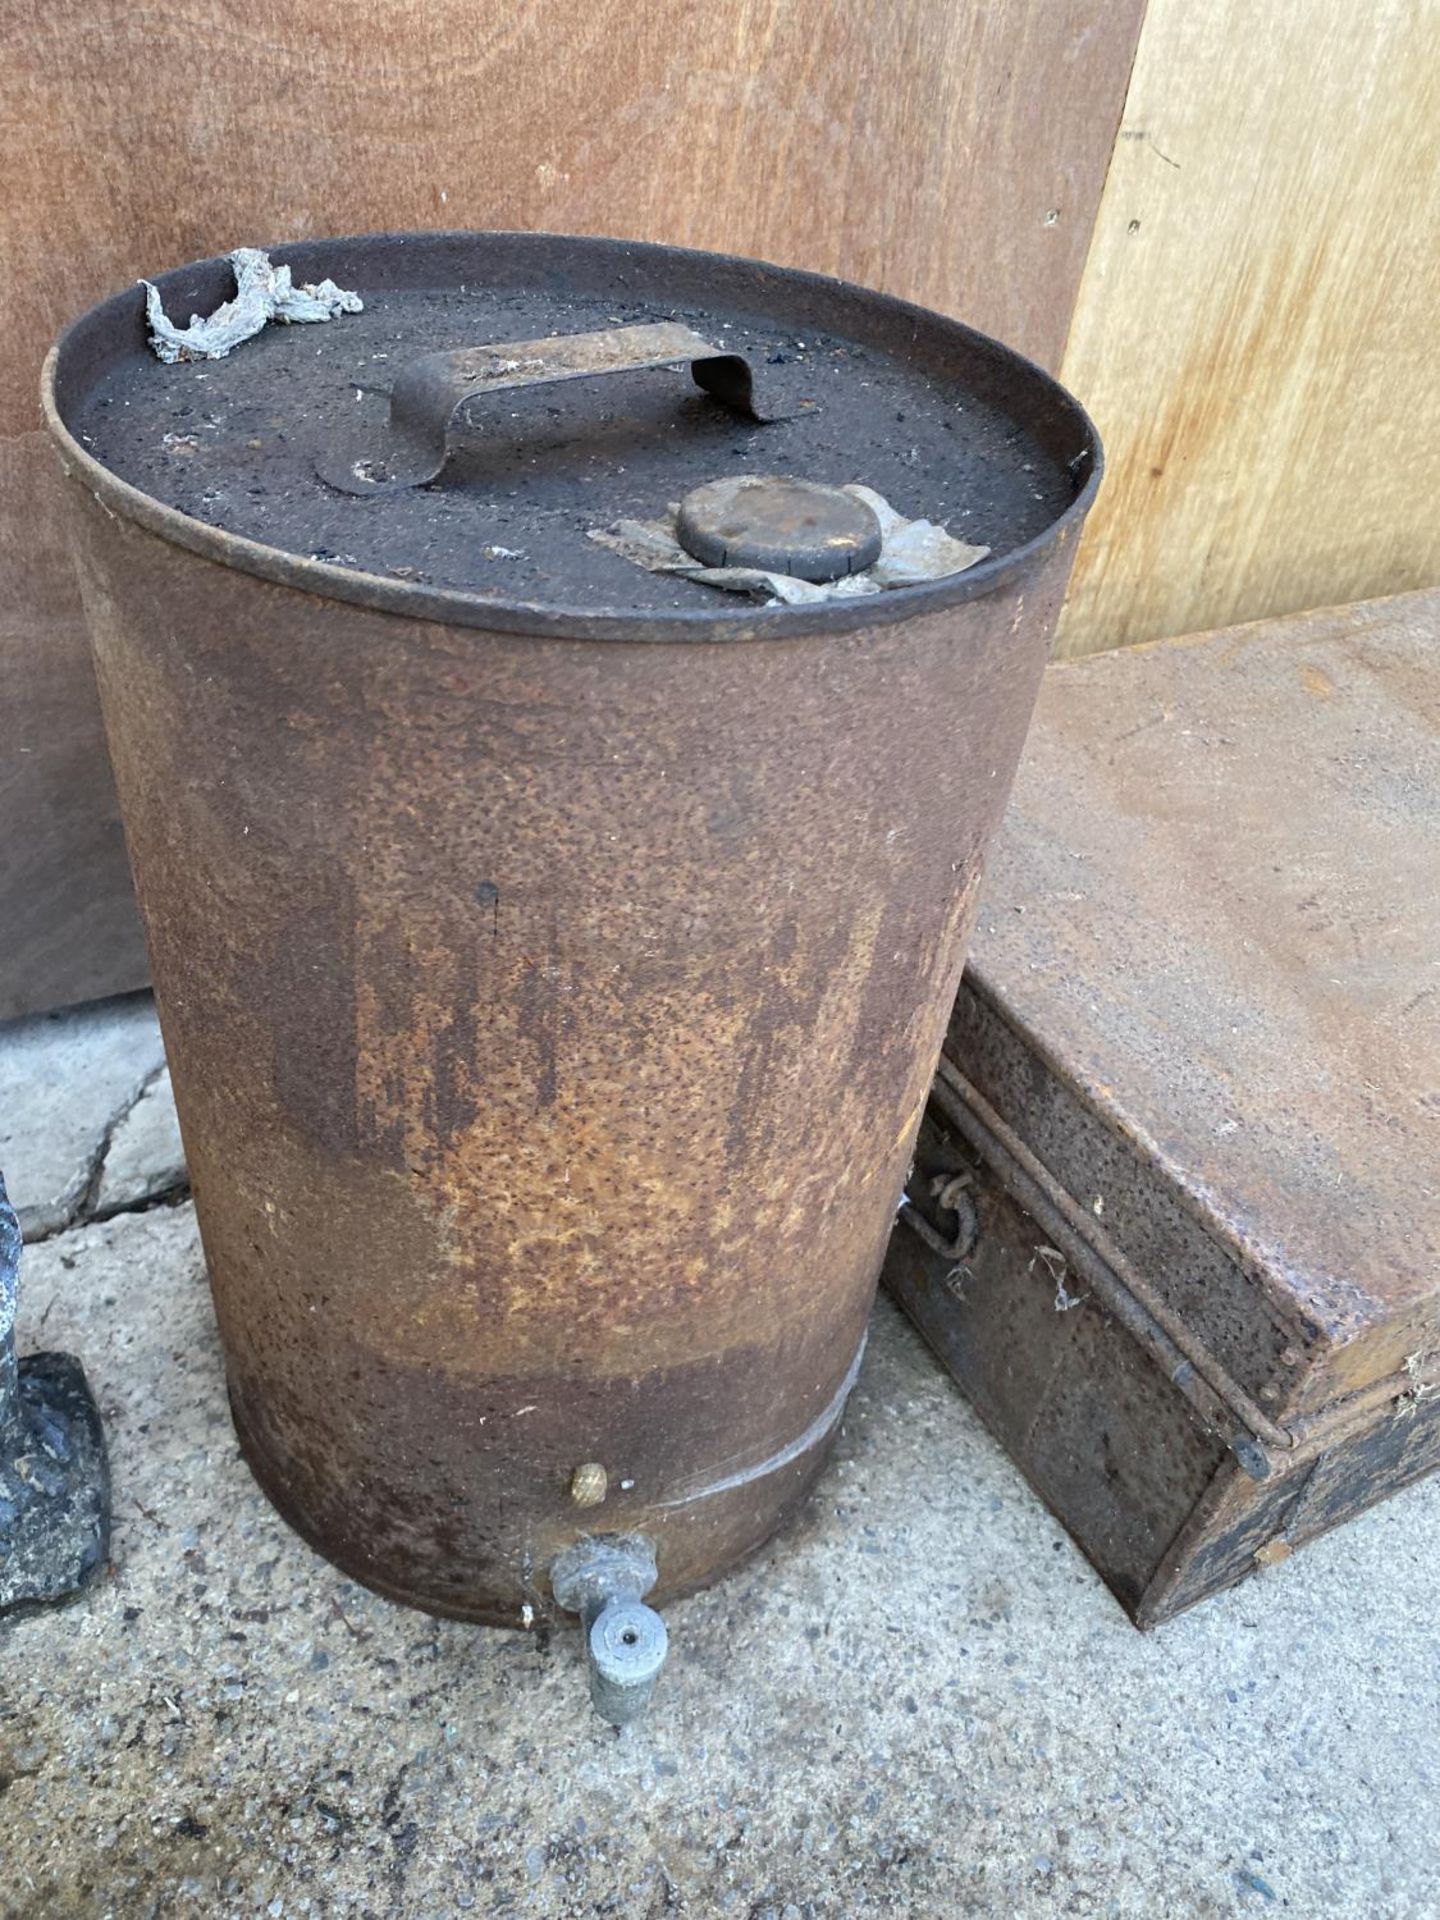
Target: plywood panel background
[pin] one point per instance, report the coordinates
(1258, 323)
(953, 153)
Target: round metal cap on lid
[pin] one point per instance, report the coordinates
(780, 525)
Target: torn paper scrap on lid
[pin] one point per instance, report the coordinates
(262, 293)
(912, 551)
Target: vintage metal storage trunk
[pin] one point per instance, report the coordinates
(1176, 1202)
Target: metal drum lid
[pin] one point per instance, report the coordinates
(498, 399)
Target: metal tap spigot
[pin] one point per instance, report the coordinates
(605, 1581)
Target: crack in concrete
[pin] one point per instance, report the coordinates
(172, 1196)
(79, 1205)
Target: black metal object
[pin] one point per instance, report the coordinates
(54, 1474)
(949, 1193)
(429, 394)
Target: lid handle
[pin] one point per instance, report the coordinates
(413, 446)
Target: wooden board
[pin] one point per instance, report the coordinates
(951, 153)
(1256, 331)
(68, 927)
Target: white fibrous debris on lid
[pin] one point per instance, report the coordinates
(911, 551)
(262, 293)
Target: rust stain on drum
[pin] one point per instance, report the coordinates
(550, 1014)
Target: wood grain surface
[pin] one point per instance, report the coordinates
(951, 153)
(1256, 332)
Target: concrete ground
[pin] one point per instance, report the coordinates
(919, 1701)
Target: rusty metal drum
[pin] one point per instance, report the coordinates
(553, 953)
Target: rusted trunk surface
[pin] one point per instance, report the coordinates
(550, 1020)
(1190, 1077)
